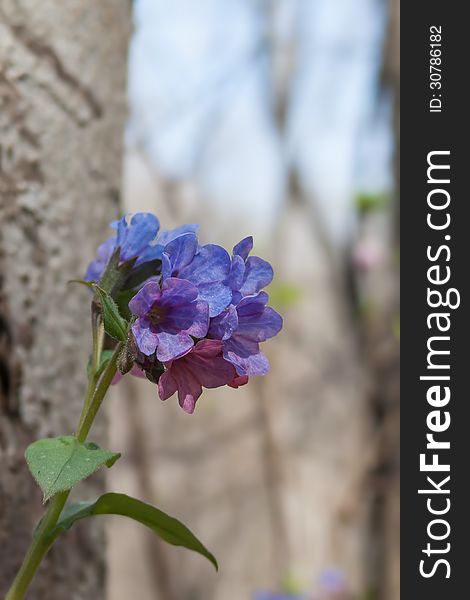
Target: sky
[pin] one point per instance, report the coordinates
(202, 92)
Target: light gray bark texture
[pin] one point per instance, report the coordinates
(62, 111)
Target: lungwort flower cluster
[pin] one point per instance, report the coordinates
(197, 314)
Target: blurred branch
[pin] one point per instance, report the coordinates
(144, 468)
(272, 462)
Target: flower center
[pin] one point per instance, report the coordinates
(157, 314)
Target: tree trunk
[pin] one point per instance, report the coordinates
(62, 110)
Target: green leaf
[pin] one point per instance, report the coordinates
(57, 464)
(104, 360)
(122, 299)
(116, 273)
(168, 528)
(114, 324)
(87, 284)
(112, 278)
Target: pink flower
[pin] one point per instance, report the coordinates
(203, 366)
(368, 254)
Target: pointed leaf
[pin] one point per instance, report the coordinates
(122, 299)
(112, 277)
(87, 284)
(57, 464)
(114, 324)
(168, 528)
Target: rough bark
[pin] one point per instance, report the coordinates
(62, 109)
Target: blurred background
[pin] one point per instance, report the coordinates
(272, 118)
(276, 118)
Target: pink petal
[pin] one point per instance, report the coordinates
(238, 381)
(189, 388)
(167, 385)
(208, 348)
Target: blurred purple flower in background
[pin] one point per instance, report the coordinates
(276, 596)
(332, 585)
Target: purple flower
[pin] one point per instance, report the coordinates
(199, 315)
(241, 328)
(276, 596)
(332, 585)
(134, 234)
(103, 254)
(248, 274)
(332, 579)
(167, 318)
(134, 237)
(207, 267)
(202, 366)
(168, 235)
(138, 238)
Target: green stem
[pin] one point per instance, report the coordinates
(99, 394)
(90, 392)
(42, 541)
(98, 338)
(97, 328)
(38, 549)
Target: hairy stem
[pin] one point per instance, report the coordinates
(97, 328)
(38, 549)
(99, 394)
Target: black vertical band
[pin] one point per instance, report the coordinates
(435, 269)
